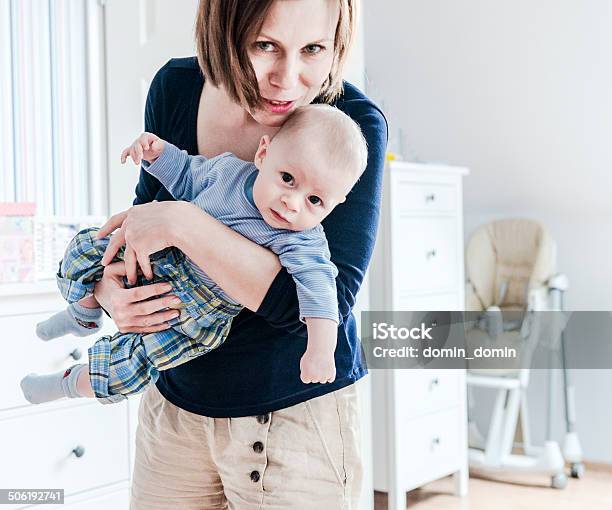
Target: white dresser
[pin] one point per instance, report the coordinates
(419, 415)
(39, 445)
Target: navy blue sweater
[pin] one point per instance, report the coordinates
(257, 369)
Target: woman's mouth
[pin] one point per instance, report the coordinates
(278, 106)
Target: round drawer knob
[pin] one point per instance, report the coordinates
(435, 381)
(431, 254)
(76, 354)
(436, 441)
(79, 451)
(430, 198)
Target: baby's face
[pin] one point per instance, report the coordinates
(295, 188)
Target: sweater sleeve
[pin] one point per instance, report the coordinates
(350, 230)
(305, 256)
(182, 175)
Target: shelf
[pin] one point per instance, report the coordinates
(28, 289)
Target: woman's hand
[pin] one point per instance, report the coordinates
(242, 268)
(144, 230)
(127, 306)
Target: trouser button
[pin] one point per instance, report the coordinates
(255, 476)
(258, 447)
(263, 418)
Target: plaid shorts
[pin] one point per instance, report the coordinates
(123, 364)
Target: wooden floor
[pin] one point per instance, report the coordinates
(593, 492)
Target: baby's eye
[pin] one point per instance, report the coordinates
(287, 177)
(314, 200)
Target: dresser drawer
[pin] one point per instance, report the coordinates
(26, 353)
(430, 447)
(424, 391)
(425, 254)
(37, 448)
(418, 197)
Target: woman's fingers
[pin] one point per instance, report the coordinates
(156, 319)
(132, 309)
(115, 270)
(153, 322)
(148, 291)
(150, 329)
(148, 323)
(156, 305)
(131, 265)
(118, 268)
(112, 224)
(145, 265)
(115, 243)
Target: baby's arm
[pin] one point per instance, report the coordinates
(182, 175)
(306, 257)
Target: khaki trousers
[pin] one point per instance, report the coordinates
(304, 457)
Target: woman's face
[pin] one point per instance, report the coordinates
(292, 56)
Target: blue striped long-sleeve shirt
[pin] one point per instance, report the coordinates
(223, 187)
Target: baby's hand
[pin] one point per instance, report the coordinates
(147, 146)
(317, 365)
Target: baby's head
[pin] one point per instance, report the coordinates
(308, 168)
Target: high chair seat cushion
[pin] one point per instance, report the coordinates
(517, 254)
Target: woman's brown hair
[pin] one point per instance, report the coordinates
(223, 30)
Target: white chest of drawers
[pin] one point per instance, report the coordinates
(37, 443)
(419, 416)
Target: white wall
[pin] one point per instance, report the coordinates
(140, 37)
(519, 92)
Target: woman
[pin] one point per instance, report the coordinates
(237, 427)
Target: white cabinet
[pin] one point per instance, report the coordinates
(38, 443)
(42, 449)
(419, 415)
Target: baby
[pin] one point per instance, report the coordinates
(278, 201)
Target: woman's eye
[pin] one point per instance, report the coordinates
(313, 49)
(266, 46)
(286, 177)
(314, 200)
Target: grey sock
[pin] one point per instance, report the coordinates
(75, 319)
(38, 389)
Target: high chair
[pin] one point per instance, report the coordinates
(510, 266)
